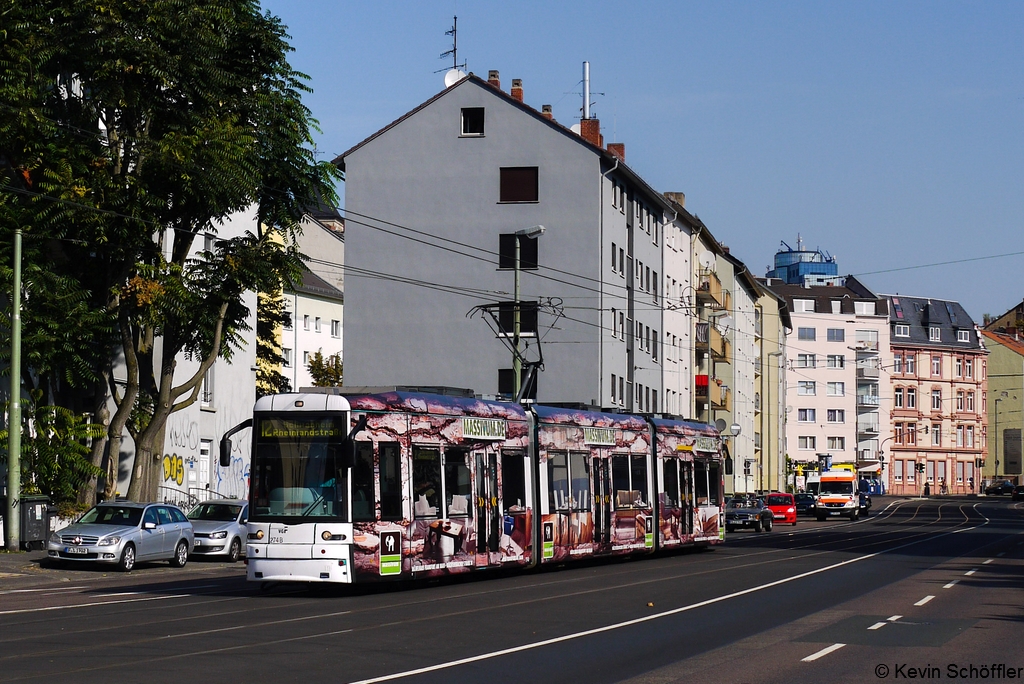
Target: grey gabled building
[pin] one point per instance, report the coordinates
(432, 203)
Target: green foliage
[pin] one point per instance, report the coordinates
(54, 452)
(326, 372)
(271, 317)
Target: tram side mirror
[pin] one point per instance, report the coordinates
(348, 447)
(225, 442)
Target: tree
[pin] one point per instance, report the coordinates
(271, 317)
(326, 372)
(140, 127)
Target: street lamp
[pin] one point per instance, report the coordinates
(517, 362)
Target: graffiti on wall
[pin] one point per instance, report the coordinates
(233, 480)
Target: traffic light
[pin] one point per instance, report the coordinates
(920, 467)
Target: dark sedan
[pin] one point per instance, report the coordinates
(1018, 493)
(865, 502)
(805, 503)
(1002, 488)
(748, 512)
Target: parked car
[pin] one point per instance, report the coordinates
(124, 533)
(1018, 493)
(782, 506)
(805, 503)
(865, 502)
(220, 527)
(746, 512)
(1000, 488)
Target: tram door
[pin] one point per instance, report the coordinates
(488, 512)
(602, 500)
(686, 494)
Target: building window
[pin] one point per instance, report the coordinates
(335, 328)
(897, 471)
(472, 121)
(836, 443)
(970, 436)
(507, 251)
(960, 435)
(836, 361)
(805, 334)
(898, 433)
(803, 306)
(286, 353)
(897, 397)
(316, 324)
(206, 392)
(968, 368)
(937, 366)
(910, 363)
(654, 345)
(805, 415)
(936, 434)
(911, 398)
(836, 335)
(305, 322)
(622, 391)
(934, 334)
(622, 325)
(807, 443)
(900, 330)
(970, 401)
(506, 383)
(527, 318)
(519, 184)
(615, 267)
(960, 400)
(963, 335)
(836, 389)
(613, 388)
(897, 364)
(936, 400)
(806, 388)
(864, 308)
(288, 320)
(836, 415)
(912, 434)
(805, 361)
(958, 367)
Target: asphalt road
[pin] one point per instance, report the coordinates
(915, 588)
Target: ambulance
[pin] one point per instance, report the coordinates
(838, 495)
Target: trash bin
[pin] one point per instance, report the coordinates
(35, 521)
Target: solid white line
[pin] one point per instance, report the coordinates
(657, 616)
(53, 589)
(988, 561)
(822, 652)
(970, 572)
(91, 605)
(894, 618)
(878, 625)
(950, 585)
(925, 600)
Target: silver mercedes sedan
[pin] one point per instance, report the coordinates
(124, 533)
(220, 527)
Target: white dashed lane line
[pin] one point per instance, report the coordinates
(878, 625)
(894, 618)
(970, 572)
(925, 600)
(823, 652)
(950, 585)
(988, 561)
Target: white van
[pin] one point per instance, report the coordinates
(838, 495)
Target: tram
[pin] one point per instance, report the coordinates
(403, 485)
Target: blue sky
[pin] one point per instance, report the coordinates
(887, 133)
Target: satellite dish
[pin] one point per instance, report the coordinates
(575, 128)
(720, 425)
(453, 76)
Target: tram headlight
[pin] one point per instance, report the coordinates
(326, 536)
(258, 534)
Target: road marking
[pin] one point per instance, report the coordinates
(657, 616)
(950, 585)
(894, 618)
(878, 625)
(925, 600)
(96, 603)
(970, 572)
(988, 561)
(26, 591)
(821, 653)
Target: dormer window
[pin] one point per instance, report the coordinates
(473, 121)
(934, 334)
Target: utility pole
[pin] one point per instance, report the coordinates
(12, 519)
(517, 359)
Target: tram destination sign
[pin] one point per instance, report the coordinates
(702, 443)
(599, 436)
(484, 428)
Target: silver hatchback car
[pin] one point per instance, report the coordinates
(125, 532)
(220, 527)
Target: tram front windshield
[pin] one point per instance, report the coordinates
(298, 470)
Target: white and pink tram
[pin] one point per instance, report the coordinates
(403, 485)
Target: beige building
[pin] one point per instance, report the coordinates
(771, 325)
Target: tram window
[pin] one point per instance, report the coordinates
(670, 470)
(579, 469)
(624, 495)
(639, 473)
(513, 480)
(713, 480)
(457, 484)
(390, 482)
(426, 481)
(558, 482)
(700, 482)
(362, 483)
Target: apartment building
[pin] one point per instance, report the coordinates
(772, 324)
(1005, 390)
(939, 399)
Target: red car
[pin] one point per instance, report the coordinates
(782, 506)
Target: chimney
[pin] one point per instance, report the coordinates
(677, 197)
(545, 111)
(618, 150)
(493, 78)
(590, 130)
(517, 89)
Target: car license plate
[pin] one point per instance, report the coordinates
(834, 512)
(75, 550)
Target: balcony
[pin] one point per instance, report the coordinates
(867, 373)
(757, 366)
(719, 345)
(869, 400)
(712, 393)
(867, 427)
(709, 289)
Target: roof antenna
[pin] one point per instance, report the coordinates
(454, 52)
